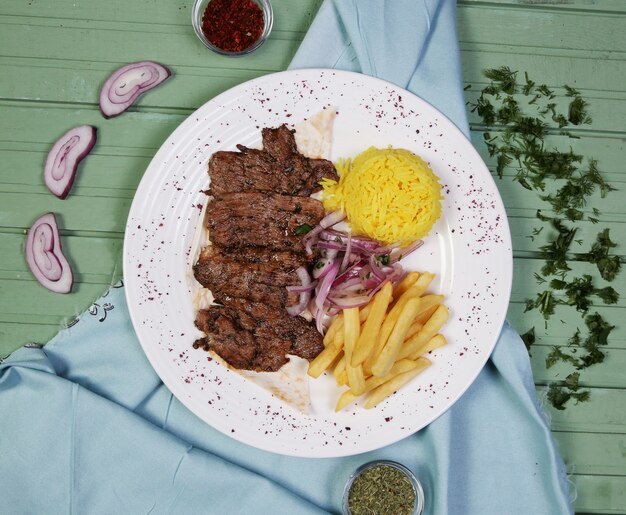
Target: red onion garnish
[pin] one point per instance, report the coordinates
(328, 221)
(351, 271)
(125, 85)
(305, 296)
(62, 161)
(45, 257)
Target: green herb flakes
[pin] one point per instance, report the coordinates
(519, 120)
(303, 229)
(381, 490)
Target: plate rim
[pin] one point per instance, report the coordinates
(508, 271)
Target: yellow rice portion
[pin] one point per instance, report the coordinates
(390, 195)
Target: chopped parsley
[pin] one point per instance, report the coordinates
(516, 117)
(384, 259)
(302, 229)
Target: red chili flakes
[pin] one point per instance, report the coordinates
(233, 25)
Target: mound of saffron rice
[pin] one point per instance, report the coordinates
(390, 195)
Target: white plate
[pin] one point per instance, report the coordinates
(469, 249)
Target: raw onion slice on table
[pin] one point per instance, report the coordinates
(350, 271)
(44, 255)
(62, 162)
(127, 83)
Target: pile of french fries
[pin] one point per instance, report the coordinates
(380, 347)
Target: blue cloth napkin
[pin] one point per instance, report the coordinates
(87, 427)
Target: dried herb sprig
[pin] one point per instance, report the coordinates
(517, 118)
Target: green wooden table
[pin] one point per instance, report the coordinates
(55, 55)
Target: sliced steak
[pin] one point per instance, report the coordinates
(258, 282)
(306, 342)
(280, 143)
(253, 336)
(281, 258)
(278, 168)
(261, 220)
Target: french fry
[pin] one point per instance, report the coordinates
(388, 355)
(352, 328)
(428, 307)
(337, 359)
(422, 283)
(439, 340)
(364, 312)
(324, 359)
(335, 327)
(420, 286)
(430, 329)
(391, 386)
(399, 367)
(342, 380)
(340, 367)
(417, 290)
(405, 284)
(371, 327)
(414, 329)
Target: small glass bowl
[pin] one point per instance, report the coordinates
(418, 506)
(199, 6)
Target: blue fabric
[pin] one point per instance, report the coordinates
(87, 427)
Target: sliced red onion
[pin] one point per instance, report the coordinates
(332, 219)
(329, 245)
(300, 289)
(350, 272)
(125, 85)
(350, 279)
(322, 267)
(305, 296)
(64, 156)
(319, 321)
(333, 235)
(347, 255)
(375, 267)
(45, 257)
(399, 254)
(324, 287)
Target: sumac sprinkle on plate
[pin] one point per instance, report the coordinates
(233, 25)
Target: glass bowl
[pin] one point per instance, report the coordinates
(418, 506)
(199, 6)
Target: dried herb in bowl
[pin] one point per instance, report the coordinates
(382, 489)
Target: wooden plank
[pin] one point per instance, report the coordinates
(599, 494)
(604, 413)
(289, 16)
(605, 6)
(606, 150)
(94, 258)
(563, 324)
(174, 46)
(22, 301)
(525, 285)
(593, 453)
(609, 374)
(14, 335)
(489, 23)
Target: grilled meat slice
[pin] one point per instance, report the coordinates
(278, 168)
(254, 336)
(262, 281)
(279, 143)
(261, 220)
(258, 255)
(306, 342)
